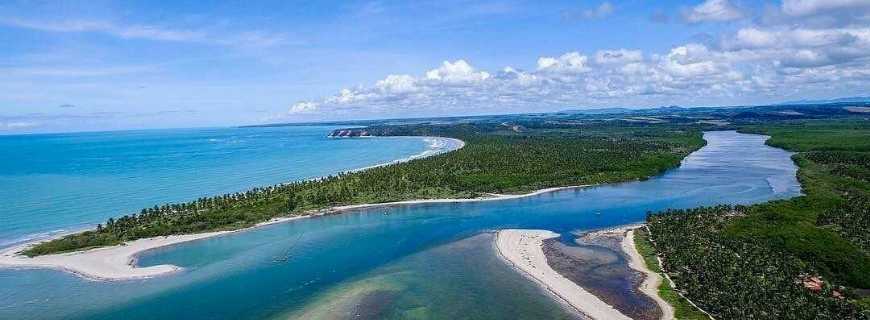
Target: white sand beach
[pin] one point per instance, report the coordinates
(652, 281)
(523, 250)
(109, 263)
(119, 262)
(491, 197)
(115, 262)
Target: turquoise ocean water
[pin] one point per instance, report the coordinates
(431, 261)
(63, 182)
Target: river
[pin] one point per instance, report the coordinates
(428, 261)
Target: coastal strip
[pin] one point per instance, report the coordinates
(107, 263)
(119, 262)
(437, 145)
(111, 263)
(652, 280)
(523, 250)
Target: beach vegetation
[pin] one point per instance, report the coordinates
(495, 159)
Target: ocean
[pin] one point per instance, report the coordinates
(55, 183)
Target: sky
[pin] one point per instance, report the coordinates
(110, 65)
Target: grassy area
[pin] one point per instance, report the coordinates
(495, 159)
(683, 310)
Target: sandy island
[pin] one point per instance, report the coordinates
(119, 262)
(523, 250)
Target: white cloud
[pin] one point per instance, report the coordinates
(400, 83)
(754, 38)
(304, 107)
(17, 125)
(760, 59)
(690, 61)
(149, 32)
(811, 7)
(713, 11)
(572, 62)
(121, 31)
(601, 11)
(456, 72)
(618, 56)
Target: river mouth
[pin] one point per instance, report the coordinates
(282, 270)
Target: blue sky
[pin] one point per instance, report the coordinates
(103, 65)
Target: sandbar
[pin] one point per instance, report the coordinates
(523, 250)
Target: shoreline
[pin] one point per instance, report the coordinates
(111, 257)
(651, 281)
(522, 250)
(118, 262)
(459, 144)
(452, 142)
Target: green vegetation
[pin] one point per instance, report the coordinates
(750, 262)
(683, 310)
(736, 279)
(496, 159)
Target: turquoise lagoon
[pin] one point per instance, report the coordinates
(425, 261)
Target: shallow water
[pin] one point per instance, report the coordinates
(598, 264)
(288, 269)
(493, 290)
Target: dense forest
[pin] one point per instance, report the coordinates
(497, 158)
(802, 258)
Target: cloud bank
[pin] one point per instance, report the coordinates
(796, 48)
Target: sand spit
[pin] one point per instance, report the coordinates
(109, 263)
(522, 249)
(119, 262)
(652, 280)
(115, 262)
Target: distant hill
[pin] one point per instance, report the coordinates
(837, 100)
(597, 111)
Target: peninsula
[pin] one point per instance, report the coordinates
(496, 162)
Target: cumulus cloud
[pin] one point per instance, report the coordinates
(456, 72)
(713, 11)
(756, 60)
(571, 62)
